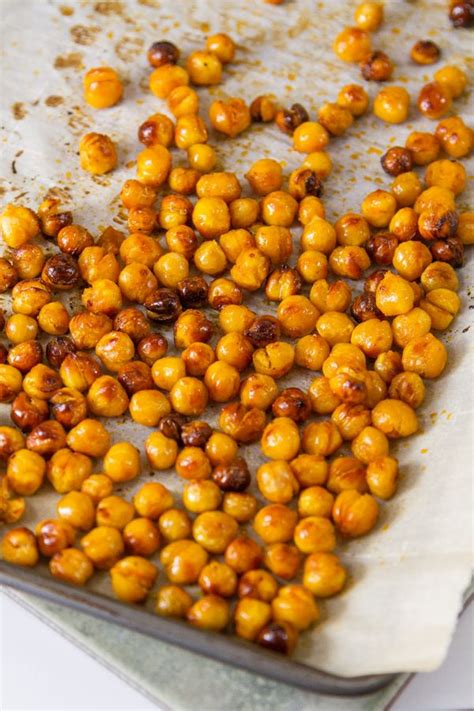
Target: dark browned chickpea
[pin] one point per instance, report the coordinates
(434, 100)
(3, 353)
(24, 356)
(152, 347)
(461, 14)
(61, 272)
(68, 407)
(425, 52)
(8, 275)
(289, 119)
(234, 476)
(193, 292)
(293, 403)
(195, 433)
(171, 425)
(449, 250)
(52, 222)
(278, 637)
(73, 239)
(304, 182)
(364, 307)
(373, 280)
(381, 247)
(162, 52)
(133, 322)
(46, 438)
(377, 66)
(263, 109)
(27, 412)
(438, 224)
(397, 160)
(134, 376)
(163, 305)
(263, 331)
(58, 348)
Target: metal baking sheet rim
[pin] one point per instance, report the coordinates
(222, 648)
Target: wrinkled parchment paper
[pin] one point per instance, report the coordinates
(408, 576)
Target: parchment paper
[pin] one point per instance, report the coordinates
(408, 576)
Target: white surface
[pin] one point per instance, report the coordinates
(41, 671)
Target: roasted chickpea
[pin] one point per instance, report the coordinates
(321, 438)
(354, 98)
(153, 165)
(310, 136)
(241, 506)
(97, 486)
(244, 213)
(409, 388)
(162, 52)
(304, 184)
(314, 534)
(134, 194)
(309, 207)
(355, 514)
(448, 174)
(102, 87)
(89, 437)
(251, 269)
(223, 292)
(97, 153)
(54, 318)
(20, 329)
(370, 444)
(292, 403)
(311, 351)
(29, 297)
(394, 418)
(258, 391)
(71, 566)
(456, 138)
(103, 297)
(453, 79)
(53, 536)
(193, 463)
(8, 275)
(230, 117)
(323, 400)
(211, 612)
(280, 439)
(25, 471)
(297, 316)
(330, 297)
(275, 523)
(18, 225)
(132, 578)
(250, 617)
(392, 104)
(107, 398)
(77, 509)
(352, 44)
(167, 77)
(19, 547)
(87, 329)
(174, 525)
(335, 118)
(394, 295)
(157, 130)
(46, 438)
(281, 636)
(28, 260)
(282, 282)
(275, 360)
(67, 470)
(173, 601)
(434, 100)
(183, 561)
(315, 501)
(279, 208)
(346, 473)
(376, 66)
(192, 326)
(161, 451)
(276, 481)
(323, 574)
(201, 495)
(283, 560)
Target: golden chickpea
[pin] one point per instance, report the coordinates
(275, 523)
(167, 77)
(319, 163)
(71, 566)
(352, 44)
(456, 138)
(202, 157)
(67, 470)
(439, 275)
(283, 560)
(330, 297)
(132, 578)
(435, 198)
(372, 337)
(434, 100)
(442, 305)
(102, 87)
(382, 477)
(265, 176)
(86, 329)
(183, 181)
(161, 451)
(153, 165)
(447, 174)
(183, 100)
(167, 371)
(171, 268)
(394, 418)
(240, 505)
(173, 601)
(242, 423)
(192, 326)
(174, 525)
(297, 316)
(77, 509)
(425, 355)
(276, 482)
(279, 208)
(311, 351)
(28, 261)
(313, 534)
(209, 258)
(211, 612)
(19, 547)
(275, 360)
(214, 530)
(346, 473)
(211, 217)
(274, 242)
(157, 130)
(190, 129)
(378, 208)
(315, 501)
(183, 561)
(250, 617)
(309, 469)
(295, 604)
(335, 327)
(204, 68)
(251, 269)
(223, 292)
(107, 398)
(424, 147)
(351, 419)
(280, 439)
(89, 437)
(404, 224)
(257, 585)
(354, 98)
(218, 579)
(197, 358)
(221, 185)
(323, 574)
(97, 486)
(258, 391)
(102, 297)
(335, 118)
(243, 554)
(103, 546)
(134, 194)
(392, 104)
(323, 399)
(310, 136)
(355, 514)
(201, 495)
(147, 407)
(122, 462)
(29, 297)
(282, 282)
(394, 295)
(230, 117)
(453, 79)
(319, 235)
(53, 319)
(244, 213)
(189, 396)
(9, 275)
(18, 225)
(20, 328)
(114, 350)
(310, 207)
(25, 471)
(370, 444)
(321, 438)
(408, 387)
(406, 187)
(97, 153)
(193, 463)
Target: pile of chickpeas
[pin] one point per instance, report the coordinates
(192, 264)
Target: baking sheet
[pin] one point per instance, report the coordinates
(407, 578)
